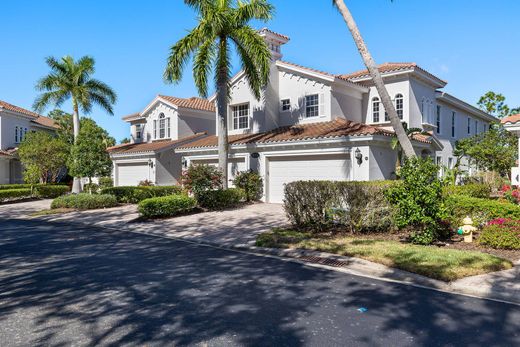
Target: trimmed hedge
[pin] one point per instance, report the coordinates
(50, 191)
(320, 205)
(166, 206)
(480, 210)
(20, 193)
(27, 185)
(220, 199)
(134, 195)
(474, 190)
(84, 201)
(501, 234)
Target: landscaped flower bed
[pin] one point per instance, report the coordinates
(501, 233)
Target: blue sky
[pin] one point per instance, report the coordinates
(473, 44)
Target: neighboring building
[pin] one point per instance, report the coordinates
(15, 122)
(167, 122)
(312, 125)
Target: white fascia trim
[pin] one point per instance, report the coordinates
(432, 80)
(232, 81)
(18, 114)
(152, 104)
(450, 99)
(306, 72)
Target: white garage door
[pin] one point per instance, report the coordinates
(235, 165)
(284, 170)
(132, 174)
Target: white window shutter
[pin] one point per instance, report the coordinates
(322, 104)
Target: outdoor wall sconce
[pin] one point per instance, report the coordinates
(150, 163)
(184, 163)
(358, 156)
(255, 155)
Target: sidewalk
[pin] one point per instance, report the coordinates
(237, 229)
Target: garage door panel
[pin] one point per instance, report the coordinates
(284, 170)
(132, 174)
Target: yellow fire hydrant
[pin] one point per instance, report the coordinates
(467, 229)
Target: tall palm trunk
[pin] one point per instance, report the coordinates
(405, 142)
(76, 184)
(222, 106)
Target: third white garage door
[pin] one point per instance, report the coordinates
(132, 174)
(282, 170)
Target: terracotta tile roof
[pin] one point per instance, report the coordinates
(332, 129)
(4, 153)
(388, 67)
(193, 103)
(46, 121)
(13, 108)
(273, 32)
(513, 119)
(9, 152)
(150, 146)
(137, 114)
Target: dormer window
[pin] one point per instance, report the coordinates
(312, 105)
(138, 131)
(240, 116)
(399, 105)
(375, 109)
(164, 126)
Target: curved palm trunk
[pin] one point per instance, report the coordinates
(405, 142)
(76, 185)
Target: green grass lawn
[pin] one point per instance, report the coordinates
(431, 261)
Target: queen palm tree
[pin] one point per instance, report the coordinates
(70, 79)
(405, 142)
(223, 23)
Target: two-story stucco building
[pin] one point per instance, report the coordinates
(314, 125)
(15, 122)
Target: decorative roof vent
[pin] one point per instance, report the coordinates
(274, 42)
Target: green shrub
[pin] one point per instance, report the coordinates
(501, 234)
(91, 188)
(166, 206)
(50, 191)
(320, 205)
(145, 183)
(27, 185)
(84, 201)
(251, 183)
(480, 210)
(133, 195)
(474, 190)
(221, 198)
(199, 178)
(419, 200)
(11, 194)
(106, 182)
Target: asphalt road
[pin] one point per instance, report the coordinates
(63, 285)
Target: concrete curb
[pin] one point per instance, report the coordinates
(355, 266)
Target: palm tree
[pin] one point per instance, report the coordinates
(70, 79)
(221, 23)
(396, 145)
(405, 142)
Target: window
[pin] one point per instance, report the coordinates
(476, 127)
(375, 110)
(138, 129)
(16, 135)
(450, 163)
(453, 124)
(438, 120)
(168, 127)
(286, 105)
(162, 126)
(469, 125)
(423, 110)
(241, 116)
(155, 128)
(399, 105)
(312, 105)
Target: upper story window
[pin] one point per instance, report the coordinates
(469, 125)
(164, 126)
(138, 131)
(476, 127)
(399, 105)
(240, 116)
(16, 134)
(375, 109)
(312, 105)
(438, 119)
(453, 124)
(286, 104)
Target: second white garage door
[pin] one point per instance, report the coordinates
(132, 174)
(283, 170)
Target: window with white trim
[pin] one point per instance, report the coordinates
(438, 119)
(162, 126)
(469, 125)
(286, 104)
(240, 116)
(168, 127)
(375, 109)
(476, 127)
(312, 105)
(453, 124)
(423, 110)
(16, 135)
(155, 128)
(399, 105)
(138, 131)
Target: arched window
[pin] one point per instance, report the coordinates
(162, 126)
(399, 105)
(375, 109)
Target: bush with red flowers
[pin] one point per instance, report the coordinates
(510, 194)
(501, 233)
(200, 178)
